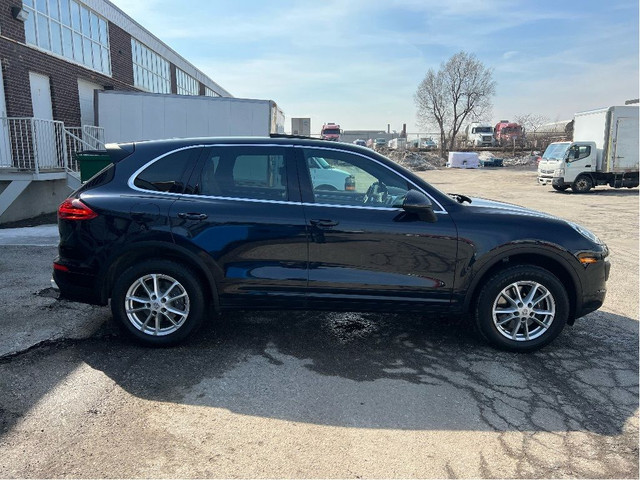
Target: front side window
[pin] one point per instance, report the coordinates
(168, 174)
(578, 152)
(69, 29)
(341, 178)
(255, 173)
(151, 72)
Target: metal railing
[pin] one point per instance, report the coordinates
(36, 144)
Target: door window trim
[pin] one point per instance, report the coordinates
(417, 187)
(132, 178)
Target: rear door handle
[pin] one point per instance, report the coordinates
(323, 223)
(193, 216)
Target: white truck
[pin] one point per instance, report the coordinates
(136, 116)
(479, 135)
(604, 151)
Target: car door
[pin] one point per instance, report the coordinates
(365, 253)
(242, 213)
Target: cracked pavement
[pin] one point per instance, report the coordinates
(311, 394)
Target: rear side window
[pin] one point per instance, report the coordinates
(257, 173)
(168, 174)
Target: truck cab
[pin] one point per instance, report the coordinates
(331, 131)
(480, 135)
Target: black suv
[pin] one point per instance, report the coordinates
(174, 230)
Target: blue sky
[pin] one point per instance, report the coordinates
(359, 62)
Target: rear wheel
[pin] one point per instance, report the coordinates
(582, 184)
(522, 308)
(158, 302)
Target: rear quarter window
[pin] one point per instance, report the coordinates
(168, 173)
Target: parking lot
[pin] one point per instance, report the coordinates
(311, 394)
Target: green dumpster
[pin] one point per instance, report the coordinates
(91, 162)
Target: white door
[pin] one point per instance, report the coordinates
(45, 135)
(5, 151)
(85, 94)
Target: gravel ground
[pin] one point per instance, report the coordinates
(332, 395)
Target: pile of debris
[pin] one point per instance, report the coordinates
(523, 160)
(418, 162)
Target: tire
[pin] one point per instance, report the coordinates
(499, 312)
(560, 189)
(582, 184)
(158, 320)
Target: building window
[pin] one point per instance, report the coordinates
(187, 85)
(151, 72)
(69, 29)
(210, 93)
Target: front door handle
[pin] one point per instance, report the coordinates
(323, 223)
(193, 216)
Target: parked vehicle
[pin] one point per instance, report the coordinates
(479, 135)
(397, 144)
(331, 131)
(136, 116)
(379, 142)
(172, 230)
(509, 133)
(360, 142)
(327, 177)
(426, 143)
(604, 151)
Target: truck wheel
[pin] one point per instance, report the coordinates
(326, 188)
(522, 308)
(158, 302)
(582, 184)
(560, 189)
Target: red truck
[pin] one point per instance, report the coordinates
(331, 131)
(507, 132)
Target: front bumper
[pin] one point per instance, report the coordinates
(558, 182)
(594, 289)
(545, 180)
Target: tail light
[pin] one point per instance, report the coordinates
(74, 209)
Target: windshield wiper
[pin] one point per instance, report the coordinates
(459, 197)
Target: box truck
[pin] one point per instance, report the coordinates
(604, 151)
(136, 116)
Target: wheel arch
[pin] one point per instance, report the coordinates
(151, 250)
(556, 265)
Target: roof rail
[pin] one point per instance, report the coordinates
(284, 135)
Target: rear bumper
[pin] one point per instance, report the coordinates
(77, 287)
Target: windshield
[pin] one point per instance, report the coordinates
(555, 151)
(331, 131)
(380, 140)
(483, 130)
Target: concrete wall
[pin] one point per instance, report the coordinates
(40, 197)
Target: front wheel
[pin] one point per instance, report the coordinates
(522, 308)
(582, 184)
(560, 188)
(158, 302)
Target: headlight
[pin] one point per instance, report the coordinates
(559, 172)
(585, 233)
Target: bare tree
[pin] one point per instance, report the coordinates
(460, 89)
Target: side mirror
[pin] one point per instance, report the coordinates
(418, 203)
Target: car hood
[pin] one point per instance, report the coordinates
(491, 206)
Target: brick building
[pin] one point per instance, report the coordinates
(53, 55)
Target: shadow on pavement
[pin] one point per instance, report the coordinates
(370, 371)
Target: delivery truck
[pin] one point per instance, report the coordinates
(604, 151)
(136, 116)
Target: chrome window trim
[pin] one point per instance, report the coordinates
(441, 211)
(133, 176)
